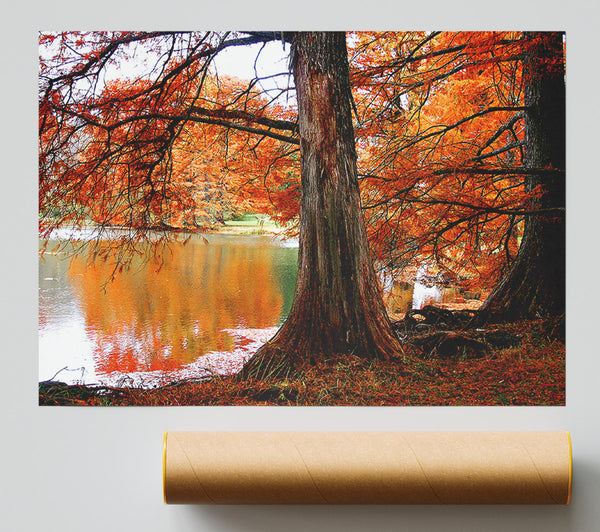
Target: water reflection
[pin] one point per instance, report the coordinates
(160, 315)
(400, 297)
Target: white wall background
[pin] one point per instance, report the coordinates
(86, 469)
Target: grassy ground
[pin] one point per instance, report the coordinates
(532, 373)
(251, 226)
(250, 223)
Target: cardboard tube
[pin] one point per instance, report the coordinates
(367, 467)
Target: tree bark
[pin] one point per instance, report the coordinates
(535, 284)
(337, 305)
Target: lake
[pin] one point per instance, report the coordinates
(203, 308)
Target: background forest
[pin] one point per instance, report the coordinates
(390, 155)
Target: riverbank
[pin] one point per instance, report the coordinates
(235, 227)
(249, 227)
(531, 373)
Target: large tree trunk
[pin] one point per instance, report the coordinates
(535, 284)
(337, 305)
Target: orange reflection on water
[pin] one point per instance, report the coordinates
(150, 318)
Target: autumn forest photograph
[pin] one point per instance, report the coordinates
(303, 218)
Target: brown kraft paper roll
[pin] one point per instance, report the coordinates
(367, 467)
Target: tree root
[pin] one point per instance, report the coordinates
(449, 333)
(471, 344)
(430, 317)
(58, 393)
(269, 361)
(447, 344)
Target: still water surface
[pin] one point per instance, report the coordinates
(209, 305)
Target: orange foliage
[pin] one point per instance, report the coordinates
(439, 127)
(441, 135)
(231, 172)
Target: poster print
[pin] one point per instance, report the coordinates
(302, 218)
